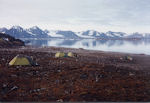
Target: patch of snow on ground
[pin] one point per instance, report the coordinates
(6, 39)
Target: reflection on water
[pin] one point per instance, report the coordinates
(129, 46)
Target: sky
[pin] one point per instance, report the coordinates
(77, 15)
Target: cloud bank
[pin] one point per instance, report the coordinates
(78, 15)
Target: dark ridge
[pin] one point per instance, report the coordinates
(9, 41)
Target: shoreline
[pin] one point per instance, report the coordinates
(46, 48)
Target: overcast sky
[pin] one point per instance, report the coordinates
(77, 15)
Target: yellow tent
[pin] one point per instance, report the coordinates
(22, 60)
(60, 54)
(70, 54)
(129, 58)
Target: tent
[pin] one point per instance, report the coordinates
(60, 54)
(70, 54)
(22, 60)
(129, 58)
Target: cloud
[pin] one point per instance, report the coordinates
(111, 14)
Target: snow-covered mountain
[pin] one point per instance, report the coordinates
(91, 34)
(2, 30)
(16, 31)
(116, 34)
(36, 32)
(136, 35)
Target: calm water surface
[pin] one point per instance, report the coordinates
(127, 46)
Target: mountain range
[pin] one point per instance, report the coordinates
(36, 32)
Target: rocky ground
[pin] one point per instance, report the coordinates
(91, 76)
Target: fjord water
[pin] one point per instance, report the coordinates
(126, 46)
